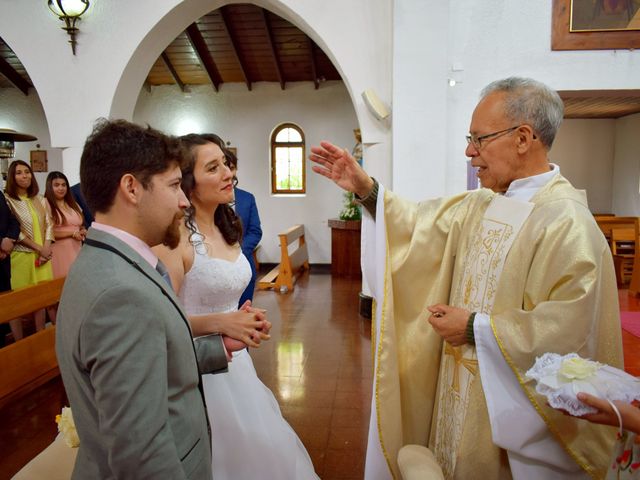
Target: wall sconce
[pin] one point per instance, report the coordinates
(376, 106)
(70, 12)
(8, 138)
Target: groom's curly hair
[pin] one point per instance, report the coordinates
(116, 148)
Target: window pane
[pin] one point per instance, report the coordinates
(295, 168)
(289, 168)
(283, 135)
(282, 168)
(287, 135)
(294, 135)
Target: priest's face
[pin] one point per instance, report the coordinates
(493, 144)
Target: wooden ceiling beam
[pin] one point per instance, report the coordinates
(272, 47)
(202, 50)
(226, 24)
(14, 77)
(314, 67)
(172, 70)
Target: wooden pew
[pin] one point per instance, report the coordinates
(608, 223)
(623, 247)
(292, 265)
(30, 362)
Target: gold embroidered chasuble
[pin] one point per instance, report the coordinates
(556, 293)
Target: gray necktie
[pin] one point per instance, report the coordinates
(164, 273)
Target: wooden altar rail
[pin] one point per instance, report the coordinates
(607, 223)
(30, 362)
(292, 265)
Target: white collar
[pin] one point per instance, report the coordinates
(525, 188)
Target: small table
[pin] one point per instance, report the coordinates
(345, 248)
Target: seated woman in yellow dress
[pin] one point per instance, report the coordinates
(30, 257)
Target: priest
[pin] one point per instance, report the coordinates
(470, 289)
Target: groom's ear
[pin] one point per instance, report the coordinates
(130, 188)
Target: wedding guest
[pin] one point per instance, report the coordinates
(76, 191)
(9, 231)
(68, 228)
(31, 255)
(625, 463)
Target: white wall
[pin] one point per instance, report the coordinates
(119, 41)
(474, 41)
(483, 40)
(584, 150)
(247, 119)
(23, 113)
(626, 176)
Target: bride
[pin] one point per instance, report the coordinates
(250, 438)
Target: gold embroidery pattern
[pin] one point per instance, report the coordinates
(459, 365)
(377, 372)
(470, 364)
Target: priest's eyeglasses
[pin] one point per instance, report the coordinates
(477, 141)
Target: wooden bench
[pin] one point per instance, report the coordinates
(623, 248)
(30, 362)
(292, 265)
(608, 223)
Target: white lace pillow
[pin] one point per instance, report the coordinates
(561, 377)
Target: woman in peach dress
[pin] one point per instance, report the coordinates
(67, 223)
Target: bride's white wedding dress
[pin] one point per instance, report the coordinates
(251, 439)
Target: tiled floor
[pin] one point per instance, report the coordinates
(318, 364)
(630, 344)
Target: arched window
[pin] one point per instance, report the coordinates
(288, 159)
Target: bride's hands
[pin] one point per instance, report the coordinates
(247, 307)
(248, 325)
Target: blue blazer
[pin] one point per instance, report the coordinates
(76, 191)
(247, 210)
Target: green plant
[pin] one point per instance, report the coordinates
(351, 210)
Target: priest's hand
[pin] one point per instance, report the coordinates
(339, 166)
(449, 322)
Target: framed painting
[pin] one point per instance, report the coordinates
(595, 25)
(39, 161)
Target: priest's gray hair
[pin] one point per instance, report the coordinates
(531, 102)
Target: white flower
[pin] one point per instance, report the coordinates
(578, 368)
(67, 428)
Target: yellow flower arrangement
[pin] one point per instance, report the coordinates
(67, 428)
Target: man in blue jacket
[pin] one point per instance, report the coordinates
(247, 210)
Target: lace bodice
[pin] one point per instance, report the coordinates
(213, 285)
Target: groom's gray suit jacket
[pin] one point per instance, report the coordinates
(130, 369)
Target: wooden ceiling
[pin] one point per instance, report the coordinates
(239, 43)
(244, 43)
(600, 103)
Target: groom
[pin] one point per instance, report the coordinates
(129, 365)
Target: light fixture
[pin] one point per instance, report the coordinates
(70, 12)
(8, 138)
(376, 106)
